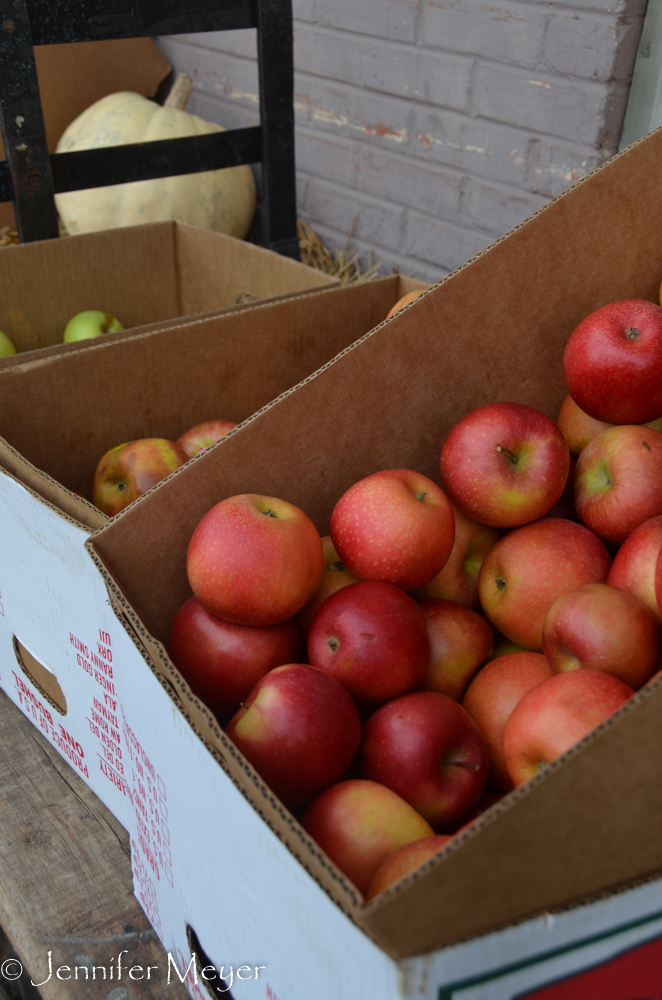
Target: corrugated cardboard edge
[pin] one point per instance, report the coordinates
(46, 355)
(44, 488)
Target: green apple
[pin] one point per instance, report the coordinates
(6, 346)
(90, 323)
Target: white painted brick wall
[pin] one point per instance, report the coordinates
(438, 124)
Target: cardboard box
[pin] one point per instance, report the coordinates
(144, 275)
(493, 330)
(61, 644)
(74, 76)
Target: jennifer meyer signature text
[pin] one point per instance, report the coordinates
(12, 969)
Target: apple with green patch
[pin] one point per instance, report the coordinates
(127, 471)
(505, 464)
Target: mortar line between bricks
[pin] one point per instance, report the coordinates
(480, 58)
(418, 48)
(378, 201)
(479, 61)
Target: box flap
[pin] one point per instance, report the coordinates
(63, 412)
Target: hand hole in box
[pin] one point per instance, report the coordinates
(41, 677)
(216, 979)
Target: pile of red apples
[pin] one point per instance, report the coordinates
(358, 673)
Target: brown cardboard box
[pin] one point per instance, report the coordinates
(74, 76)
(493, 330)
(146, 275)
(61, 412)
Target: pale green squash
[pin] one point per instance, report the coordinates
(223, 200)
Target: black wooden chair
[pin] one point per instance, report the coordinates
(30, 176)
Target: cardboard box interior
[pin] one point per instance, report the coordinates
(74, 76)
(144, 275)
(494, 330)
(60, 414)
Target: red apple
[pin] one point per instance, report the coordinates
(633, 567)
(427, 749)
(618, 481)
(492, 696)
(460, 641)
(299, 729)
(335, 576)
(612, 362)
(394, 526)
(223, 662)
(458, 580)
(555, 715)
(598, 627)
(505, 464)
(530, 568)
(358, 824)
(255, 560)
(127, 471)
(203, 436)
(372, 638)
(403, 861)
(577, 427)
(658, 582)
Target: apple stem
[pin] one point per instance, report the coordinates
(513, 458)
(463, 763)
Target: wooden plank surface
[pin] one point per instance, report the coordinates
(65, 878)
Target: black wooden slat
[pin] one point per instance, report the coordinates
(55, 21)
(6, 185)
(92, 168)
(276, 76)
(22, 125)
